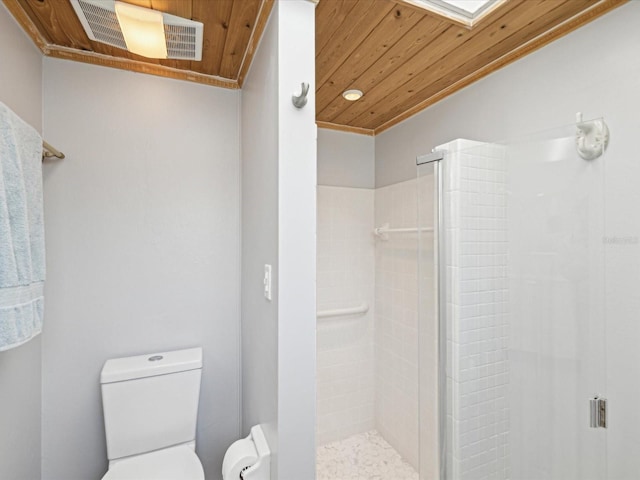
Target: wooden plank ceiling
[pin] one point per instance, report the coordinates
(405, 58)
(402, 57)
(232, 29)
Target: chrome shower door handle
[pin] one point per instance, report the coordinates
(598, 412)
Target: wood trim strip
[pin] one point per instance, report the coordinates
(139, 67)
(345, 128)
(258, 29)
(27, 24)
(577, 21)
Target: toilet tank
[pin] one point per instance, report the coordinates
(150, 401)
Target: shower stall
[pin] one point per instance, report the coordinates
(461, 324)
(520, 268)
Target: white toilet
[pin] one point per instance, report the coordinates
(150, 410)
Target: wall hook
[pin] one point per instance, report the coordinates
(300, 101)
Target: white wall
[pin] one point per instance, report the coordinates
(20, 369)
(593, 70)
(345, 159)
(346, 279)
(143, 239)
(396, 321)
(279, 221)
(297, 179)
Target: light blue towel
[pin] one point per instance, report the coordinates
(22, 262)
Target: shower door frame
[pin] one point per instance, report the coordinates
(437, 157)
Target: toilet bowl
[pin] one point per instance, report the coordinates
(150, 405)
(168, 464)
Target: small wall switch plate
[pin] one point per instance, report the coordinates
(267, 282)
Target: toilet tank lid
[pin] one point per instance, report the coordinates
(152, 364)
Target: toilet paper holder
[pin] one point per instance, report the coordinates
(248, 458)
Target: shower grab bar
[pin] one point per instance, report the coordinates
(381, 231)
(343, 312)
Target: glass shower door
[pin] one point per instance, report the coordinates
(523, 309)
(555, 205)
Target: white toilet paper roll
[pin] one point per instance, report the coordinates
(239, 455)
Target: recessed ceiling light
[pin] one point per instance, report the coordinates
(352, 95)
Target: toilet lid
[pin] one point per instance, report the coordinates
(177, 463)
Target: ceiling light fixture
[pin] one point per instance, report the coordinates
(142, 29)
(352, 95)
(146, 32)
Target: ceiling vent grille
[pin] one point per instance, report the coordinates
(181, 41)
(98, 17)
(102, 24)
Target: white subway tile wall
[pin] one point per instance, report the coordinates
(368, 373)
(396, 321)
(477, 298)
(346, 277)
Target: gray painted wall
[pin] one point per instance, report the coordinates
(259, 146)
(594, 70)
(20, 368)
(143, 239)
(345, 159)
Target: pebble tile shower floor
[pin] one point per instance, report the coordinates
(365, 456)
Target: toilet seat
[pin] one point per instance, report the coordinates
(175, 463)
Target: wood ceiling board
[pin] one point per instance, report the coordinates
(424, 33)
(569, 26)
(332, 101)
(35, 19)
(504, 34)
(331, 14)
(243, 17)
(181, 8)
(459, 64)
(378, 96)
(215, 16)
(364, 21)
(23, 19)
(393, 27)
(228, 28)
(376, 85)
(399, 77)
(256, 35)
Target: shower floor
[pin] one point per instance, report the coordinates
(365, 456)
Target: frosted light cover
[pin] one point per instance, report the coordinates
(143, 30)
